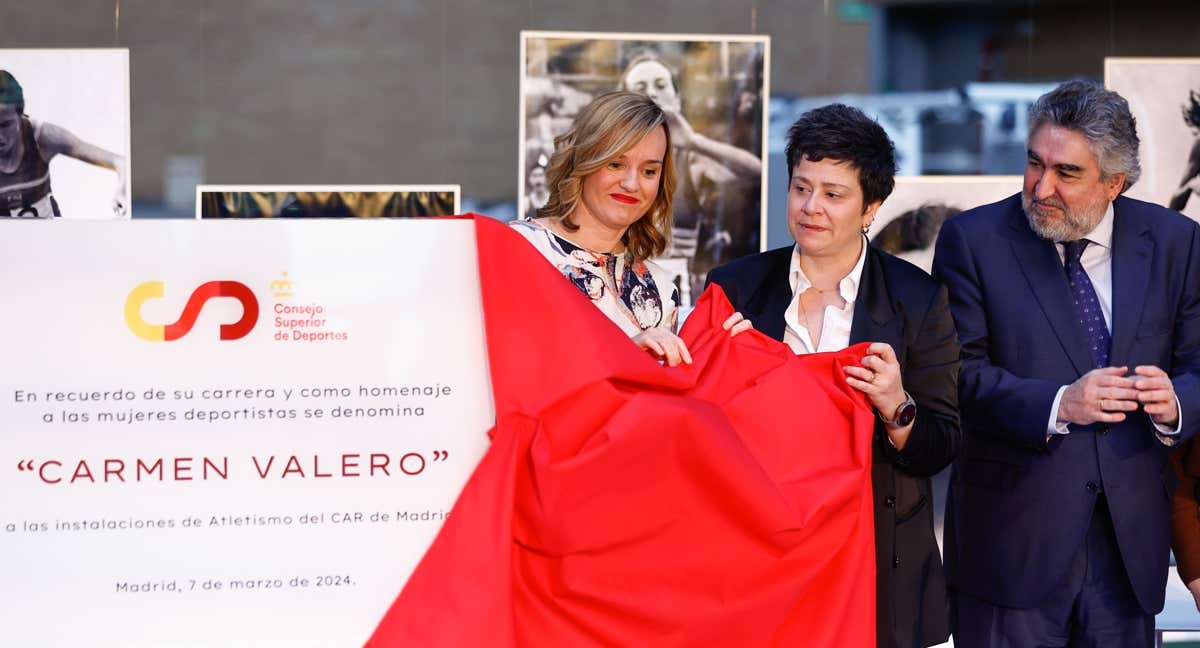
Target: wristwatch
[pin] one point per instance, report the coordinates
(905, 413)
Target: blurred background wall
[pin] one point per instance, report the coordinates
(372, 91)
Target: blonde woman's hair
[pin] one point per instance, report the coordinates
(606, 128)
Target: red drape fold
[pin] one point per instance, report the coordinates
(725, 503)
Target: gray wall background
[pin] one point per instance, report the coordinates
(411, 91)
(271, 91)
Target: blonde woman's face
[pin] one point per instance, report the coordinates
(621, 192)
(653, 79)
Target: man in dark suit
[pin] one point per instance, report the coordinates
(831, 289)
(1078, 311)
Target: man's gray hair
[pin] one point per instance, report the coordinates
(1102, 116)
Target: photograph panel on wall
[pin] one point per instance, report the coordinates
(908, 222)
(64, 133)
(1164, 97)
(326, 201)
(715, 90)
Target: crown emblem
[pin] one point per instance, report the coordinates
(282, 287)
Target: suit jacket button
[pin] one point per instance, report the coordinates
(1103, 430)
(896, 561)
(1092, 487)
(889, 501)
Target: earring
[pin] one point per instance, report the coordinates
(866, 228)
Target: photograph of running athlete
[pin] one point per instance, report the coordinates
(64, 134)
(26, 148)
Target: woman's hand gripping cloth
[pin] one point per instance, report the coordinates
(623, 503)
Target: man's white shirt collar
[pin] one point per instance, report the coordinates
(1102, 233)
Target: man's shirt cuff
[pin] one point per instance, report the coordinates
(1168, 436)
(1053, 426)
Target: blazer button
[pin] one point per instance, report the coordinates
(896, 561)
(1093, 487)
(889, 501)
(1103, 430)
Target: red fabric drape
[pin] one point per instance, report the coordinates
(726, 503)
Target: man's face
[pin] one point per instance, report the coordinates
(1064, 195)
(10, 129)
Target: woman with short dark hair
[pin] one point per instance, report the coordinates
(831, 290)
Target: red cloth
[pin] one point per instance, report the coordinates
(726, 503)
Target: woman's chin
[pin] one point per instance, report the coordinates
(812, 240)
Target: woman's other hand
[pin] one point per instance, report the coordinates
(879, 378)
(663, 345)
(737, 324)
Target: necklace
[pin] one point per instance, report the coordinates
(813, 339)
(822, 291)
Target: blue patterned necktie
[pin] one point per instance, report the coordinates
(1087, 305)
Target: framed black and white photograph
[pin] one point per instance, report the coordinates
(64, 133)
(1164, 97)
(908, 222)
(716, 92)
(326, 201)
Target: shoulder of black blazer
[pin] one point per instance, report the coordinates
(743, 278)
(758, 286)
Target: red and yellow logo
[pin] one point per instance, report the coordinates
(160, 333)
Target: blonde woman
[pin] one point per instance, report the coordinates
(611, 181)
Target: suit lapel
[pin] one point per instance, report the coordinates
(874, 318)
(1043, 270)
(766, 308)
(1132, 249)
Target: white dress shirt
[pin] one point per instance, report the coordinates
(835, 324)
(1097, 264)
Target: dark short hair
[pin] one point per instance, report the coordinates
(840, 132)
(1104, 119)
(10, 92)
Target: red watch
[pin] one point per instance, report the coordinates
(905, 413)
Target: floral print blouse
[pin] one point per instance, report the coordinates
(634, 295)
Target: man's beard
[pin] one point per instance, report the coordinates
(1072, 225)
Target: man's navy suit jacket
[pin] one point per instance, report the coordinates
(1020, 505)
